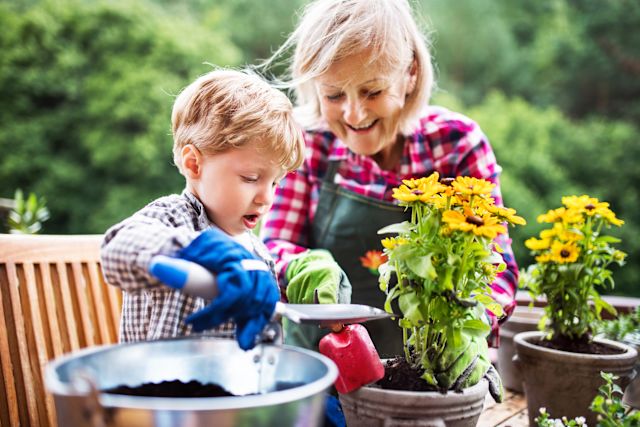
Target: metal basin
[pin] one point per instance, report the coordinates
(76, 382)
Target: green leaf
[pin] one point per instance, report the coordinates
(422, 267)
(476, 328)
(409, 304)
(397, 228)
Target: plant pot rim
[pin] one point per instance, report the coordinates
(523, 339)
(481, 387)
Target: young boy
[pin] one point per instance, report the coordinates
(234, 140)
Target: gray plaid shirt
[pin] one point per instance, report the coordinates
(150, 310)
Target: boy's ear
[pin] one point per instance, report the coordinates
(413, 77)
(191, 161)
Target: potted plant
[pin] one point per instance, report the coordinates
(560, 366)
(438, 269)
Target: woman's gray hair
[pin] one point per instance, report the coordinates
(331, 30)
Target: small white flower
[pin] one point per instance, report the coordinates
(581, 421)
(558, 423)
(543, 410)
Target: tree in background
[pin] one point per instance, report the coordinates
(87, 90)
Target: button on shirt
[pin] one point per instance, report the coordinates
(151, 310)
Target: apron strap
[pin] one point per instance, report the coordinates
(332, 170)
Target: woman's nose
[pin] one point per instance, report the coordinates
(354, 112)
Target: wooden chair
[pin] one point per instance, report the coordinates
(53, 300)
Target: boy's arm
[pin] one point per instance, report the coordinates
(128, 247)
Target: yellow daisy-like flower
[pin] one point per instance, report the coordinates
(406, 194)
(422, 189)
(544, 258)
(553, 215)
(486, 225)
(472, 186)
(611, 218)
(537, 244)
(564, 252)
(506, 214)
(392, 242)
(585, 204)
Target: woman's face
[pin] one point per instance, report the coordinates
(362, 104)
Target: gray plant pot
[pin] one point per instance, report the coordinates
(376, 407)
(565, 383)
(523, 319)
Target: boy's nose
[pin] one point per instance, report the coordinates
(265, 195)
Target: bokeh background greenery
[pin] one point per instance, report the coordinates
(86, 89)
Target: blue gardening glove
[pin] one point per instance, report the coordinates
(313, 278)
(246, 296)
(466, 365)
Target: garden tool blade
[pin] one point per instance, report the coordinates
(326, 315)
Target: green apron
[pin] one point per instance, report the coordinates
(347, 224)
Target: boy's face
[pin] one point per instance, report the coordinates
(237, 187)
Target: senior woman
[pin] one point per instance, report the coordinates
(362, 77)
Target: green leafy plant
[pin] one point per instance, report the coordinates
(622, 328)
(607, 404)
(572, 261)
(439, 267)
(28, 214)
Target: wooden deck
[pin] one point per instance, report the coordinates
(512, 412)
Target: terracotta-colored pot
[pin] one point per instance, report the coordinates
(565, 383)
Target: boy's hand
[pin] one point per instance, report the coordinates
(315, 278)
(247, 297)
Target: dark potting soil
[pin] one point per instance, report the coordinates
(177, 388)
(583, 346)
(173, 388)
(399, 375)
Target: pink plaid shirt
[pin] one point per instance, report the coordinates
(446, 142)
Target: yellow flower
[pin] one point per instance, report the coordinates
(422, 189)
(564, 252)
(472, 186)
(543, 258)
(392, 242)
(485, 225)
(610, 217)
(506, 214)
(537, 244)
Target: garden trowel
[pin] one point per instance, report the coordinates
(349, 345)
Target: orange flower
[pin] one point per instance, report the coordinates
(372, 260)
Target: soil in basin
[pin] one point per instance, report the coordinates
(178, 388)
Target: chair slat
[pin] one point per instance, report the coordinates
(78, 281)
(72, 328)
(53, 301)
(21, 356)
(9, 411)
(51, 304)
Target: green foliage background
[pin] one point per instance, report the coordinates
(87, 89)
